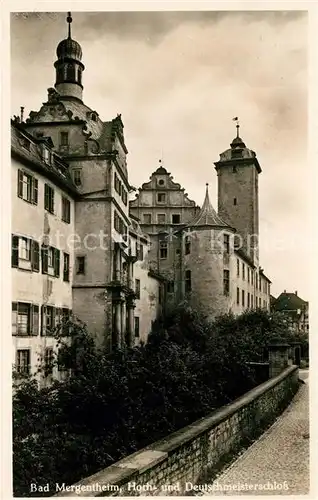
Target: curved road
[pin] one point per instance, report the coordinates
(278, 462)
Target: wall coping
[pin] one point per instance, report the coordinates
(131, 466)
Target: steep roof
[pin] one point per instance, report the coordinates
(207, 215)
(289, 302)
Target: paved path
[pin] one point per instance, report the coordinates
(279, 457)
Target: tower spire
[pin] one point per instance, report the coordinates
(69, 20)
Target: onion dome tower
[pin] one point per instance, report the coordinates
(69, 66)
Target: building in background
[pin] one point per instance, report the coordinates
(79, 245)
(295, 310)
(209, 259)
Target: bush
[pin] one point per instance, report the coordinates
(114, 404)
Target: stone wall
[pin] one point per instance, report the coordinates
(193, 454)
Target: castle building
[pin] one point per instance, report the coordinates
(74, 246)
(80, 247)
(209, 259)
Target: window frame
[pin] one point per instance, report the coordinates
(19, 365)
(144, 217)
(80, 264)
(32, 187)
(137, 288)
(66, 210)
(226, 282)
(163, 250)
(49, 198)
(161, 202)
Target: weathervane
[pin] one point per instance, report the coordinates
(235, 119)
(69, 20)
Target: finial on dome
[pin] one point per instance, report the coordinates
(69, 20)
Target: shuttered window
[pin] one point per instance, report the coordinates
(25, 319)
(25, 253)
(49, 198)
(50, 261)
(27, 187)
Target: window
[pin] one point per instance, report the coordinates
(80, 265)
(124, 196)
(226, 243)
(50, 261)
(252, 277)
(25, 248)
(161, 218)
(49, 198)
(137, 288)
(147, 218)
(264, 304)
(161, 182)
(139, 251)
(234, 170)
(48, 361)
(46, 155)
(235, 201)
(188, 285)
(48, 320)
(23, 361)
(243, 298)
(25, 253)
(66, 267)
(64, 139)
(161, 197)
(119, 224)
(163, 250)
(25, 319)
(170, 287)
(248, 274)
(237, 267)
(136, 327)
(243, 271)
(77, 177)
(27, 187)
(248, 299)
(187, 245)
(252, 301)
(176, 218)
(238, 296)
(66, 210)
(94, 117)
(260, 302)
(226, 282)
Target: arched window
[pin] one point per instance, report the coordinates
(79, 75)
(70, 72)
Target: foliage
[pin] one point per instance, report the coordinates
(113, 404)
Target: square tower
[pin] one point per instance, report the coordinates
(238, 171)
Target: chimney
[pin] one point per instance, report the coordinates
(296, 293)
(21, 115)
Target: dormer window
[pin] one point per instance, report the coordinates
(77, 177)
(26, 143)
(94, 117)
(46, 155)
(64, 139)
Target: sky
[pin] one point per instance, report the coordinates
(178, 79)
